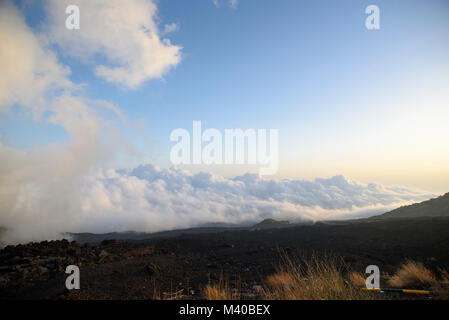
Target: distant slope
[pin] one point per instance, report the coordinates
(438, 207)
(139, 236)
(271, 224)
(2, 232)
(210, 228)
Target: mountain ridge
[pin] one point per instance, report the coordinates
(435, 207)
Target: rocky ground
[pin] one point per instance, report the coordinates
(178, 267)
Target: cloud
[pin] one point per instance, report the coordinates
(126, 36)
(38, 184)
(28, 71)
(169, 28)
(151, 199)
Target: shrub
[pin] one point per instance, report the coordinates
(314, 279)
(412, 273)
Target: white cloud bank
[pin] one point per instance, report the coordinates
(33, 79)
(150, 199)
(41, 188)
(125, 33)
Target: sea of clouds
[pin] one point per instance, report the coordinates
(151, 199)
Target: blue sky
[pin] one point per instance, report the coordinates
(335, 90)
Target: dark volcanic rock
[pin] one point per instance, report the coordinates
(147, 269)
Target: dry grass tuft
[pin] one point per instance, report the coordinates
(357, 279)
(444, 274)
(412, 273)
(327, 278)
(220, 291)
(441, 289)
(315, 279)
(216, 292)
(280, 279)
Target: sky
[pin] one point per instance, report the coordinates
(353, 106)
